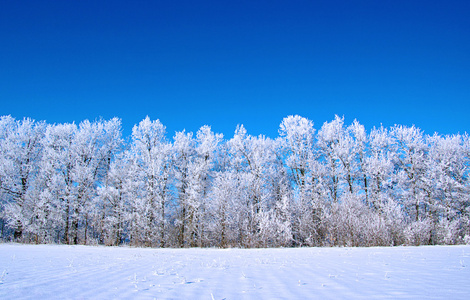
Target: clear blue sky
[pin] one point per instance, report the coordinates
(223, 63)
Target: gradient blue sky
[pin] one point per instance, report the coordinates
(223, 63)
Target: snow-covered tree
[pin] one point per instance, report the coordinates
(75, 161)
(114, 198)
(183, 154)
(224, 214)
(297, 137)
(253, 161)
(340, 186)
(200, 175)
(336, 147)
(447, 177)
(379, 167)
(412, 163)
(150, 153)
(20, 154)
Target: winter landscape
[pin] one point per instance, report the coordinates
(283, 198)
(84, 272)
(234, 149)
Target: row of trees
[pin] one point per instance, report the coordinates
(339, 185)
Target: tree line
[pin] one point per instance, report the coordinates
(335, 186)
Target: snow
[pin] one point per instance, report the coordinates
(85, 272)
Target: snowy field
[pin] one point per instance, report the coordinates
(83, 272)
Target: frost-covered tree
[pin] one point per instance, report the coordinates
(183, 154)
(411, 164)
(359, 152)
(253, 161)
(336, 148)
(20, 154)
(297, 137)
(109, 143)
(200, 175)
(448, 174)
(379, 167)
(114, 200)
(56, 175)
(224, 213)
(92, 149)
(150, 154)
(341, 186)
(447, 177)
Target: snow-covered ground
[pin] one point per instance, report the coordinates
(83, 272)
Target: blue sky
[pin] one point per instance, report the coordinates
(223, 63)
